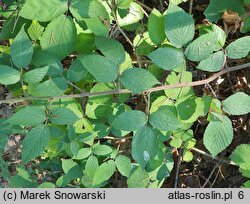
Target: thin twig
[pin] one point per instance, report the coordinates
(210, 175)
(144, 6)
(122, 91)
(216, 158)
(178, 168)
(191, 7)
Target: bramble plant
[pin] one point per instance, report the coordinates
(74, 75)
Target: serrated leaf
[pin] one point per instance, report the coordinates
(35, 30)
(43, 10)
(218, 135)
(123, 164)
(59, 37)
(179, 26)
(34, 143)
(246, 25)
(237, 104)
(164, 119)
(62, 116)
(85, 43)
(77, 72)
(87, 9)
(29, 116)
(139, 178)
(123, 4)
(91, 166)
(145, 145)
(97, 27)
(126, 121)
(52, 87)
(8, 75)
(101, 150)
(137, 84)
(104, 172)
(239, 48)
(201, 48)
(22, 179)
(111, 48)
(21, 49)
(173, 78)
(213, 63)
(167, 58)
(36, 75)
(156, 27)
(134, 15)
(102, 68)
(83, 153)
(240, 156)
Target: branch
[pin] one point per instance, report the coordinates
(123, 91)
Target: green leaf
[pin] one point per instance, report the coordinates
(126, 121)
(145, 145)
(43, 10)
(29, 116)
(62, 116)
(213, 63)
(201, 48)
(247, 2)
(138, 178)
(91, 166)
(237, 104)
(36, 75)
(137, 84)
(218, 135)
(123, 4)
(101, 150)
(8, 75)
(134, 15)
(123, 164)
(246, 26)
(156, 27)
(111, 48)
(239, 48)
(87, 9)
(216, 8)
(35, 30)
(97, 27)
(241, 156)
(59, 37)
(179, 26)
(77, 72)
(190, 108)
(34, 143)
(102, 68)
(46, 185)
(167, 58)
(22, 179)
(21, 49)
(173, 78)
(52, 87)
(83, 153)
(104, 172)
(85, 43)
(164, 119)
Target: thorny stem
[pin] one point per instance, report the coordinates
(122, 91)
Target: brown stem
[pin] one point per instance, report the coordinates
(122, 91)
